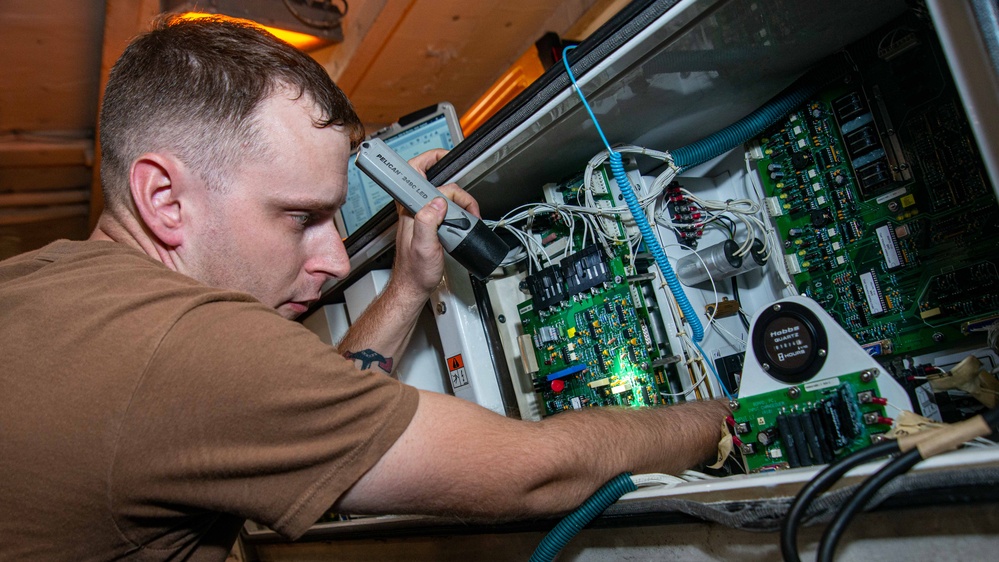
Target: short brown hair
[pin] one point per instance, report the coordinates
(193, 87)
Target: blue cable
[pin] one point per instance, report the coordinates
(610, 492)
(704, 357)
(570, 526)
(617, 167)
(746, 128)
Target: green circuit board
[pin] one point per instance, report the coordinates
(809, 424)
(589, 326)
(882, 202)
(602, 347)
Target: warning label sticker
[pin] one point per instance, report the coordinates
(456, 368)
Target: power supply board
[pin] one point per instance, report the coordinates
(809, 424)
(882, 203)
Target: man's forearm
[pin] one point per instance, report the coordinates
(457, 458)
(380, 335)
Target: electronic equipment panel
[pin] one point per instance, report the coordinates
(882, 202)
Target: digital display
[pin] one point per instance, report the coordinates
(364, 197)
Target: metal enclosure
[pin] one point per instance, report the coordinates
(661, 74)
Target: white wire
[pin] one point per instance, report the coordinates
(669, 480)
(693, 475)
(588, 213)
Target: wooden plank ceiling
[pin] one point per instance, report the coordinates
(397, 56)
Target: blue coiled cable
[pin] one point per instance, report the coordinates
(575, 521)
(617, 167)
(651, 242)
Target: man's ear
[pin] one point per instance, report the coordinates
(153, 182)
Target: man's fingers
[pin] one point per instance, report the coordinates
(424, 161)
(427, 220)
(461, 197)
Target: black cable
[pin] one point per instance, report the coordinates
(735, 295)
(822, 482)
(859, 499)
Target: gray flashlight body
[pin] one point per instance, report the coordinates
(463, 235)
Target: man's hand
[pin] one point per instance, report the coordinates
(419, 257)
(386, 326)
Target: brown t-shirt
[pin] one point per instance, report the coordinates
(143, 414)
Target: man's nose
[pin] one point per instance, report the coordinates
(328, 256)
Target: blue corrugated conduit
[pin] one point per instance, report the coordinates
(575, 521)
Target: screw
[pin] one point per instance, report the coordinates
(501, 318)
(822, 353)
(441, 307)
(867, 375)
(793, 392)
(776, 308)
(733, 404)
(766, 366)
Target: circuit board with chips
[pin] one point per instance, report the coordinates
(590, 334)
(809, 424)
(589, 324)
(883, 204)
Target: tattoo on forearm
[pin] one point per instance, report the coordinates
(369, 356)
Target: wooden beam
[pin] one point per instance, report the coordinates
(356, 25)
(26, 178)
(595, 16)
(43, 198)
(10, 217)
(391, 14)
(47, 153)
(123, 20)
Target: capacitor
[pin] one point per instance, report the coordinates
(719, 262)
(756, 258)
(766, 437)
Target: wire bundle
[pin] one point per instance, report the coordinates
(907, 451)
(585, 214)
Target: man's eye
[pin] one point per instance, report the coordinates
(303, 219)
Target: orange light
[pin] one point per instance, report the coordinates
(302, 41)
(514, 81)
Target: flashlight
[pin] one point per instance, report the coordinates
(463, 235)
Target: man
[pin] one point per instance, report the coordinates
(153, 399)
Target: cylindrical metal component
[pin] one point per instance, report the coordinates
(754, 259)
(720, 260)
